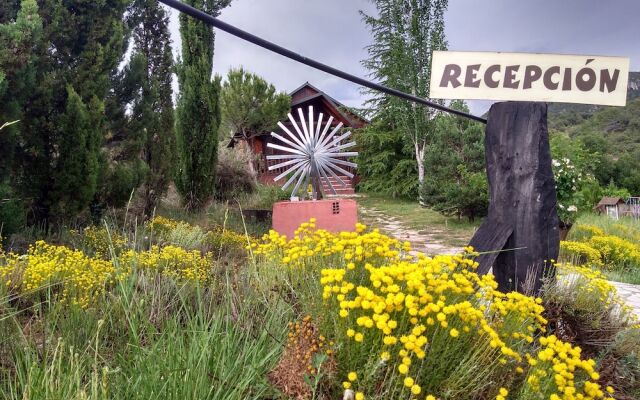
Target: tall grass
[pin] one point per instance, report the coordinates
(148, 338)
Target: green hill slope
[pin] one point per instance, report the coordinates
(611, 132)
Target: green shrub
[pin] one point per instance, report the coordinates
(234, 176)
(12, 213)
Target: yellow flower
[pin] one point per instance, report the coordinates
(359, 396)
(352, 376)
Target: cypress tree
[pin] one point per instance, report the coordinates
(18, 34)
(198, 110)
(141, 112)
(63, 114)
(152, 40)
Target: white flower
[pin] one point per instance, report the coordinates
(561, 206)
(572, 208)
(556, 163)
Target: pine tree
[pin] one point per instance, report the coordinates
(251, 106)
(405, 33)
(198, 109)
(457, 182)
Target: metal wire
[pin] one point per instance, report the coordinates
(210, 20)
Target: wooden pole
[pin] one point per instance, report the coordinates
(521, 232)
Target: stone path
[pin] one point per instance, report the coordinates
(426, 242)
(630, 293)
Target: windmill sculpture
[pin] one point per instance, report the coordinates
(313, 154)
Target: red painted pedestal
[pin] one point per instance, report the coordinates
(334, 215)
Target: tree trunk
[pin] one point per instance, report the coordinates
(520, 236)
(420, 161)
(249, 149)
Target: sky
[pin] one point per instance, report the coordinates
(332, 32)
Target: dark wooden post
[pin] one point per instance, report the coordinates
(521, 231)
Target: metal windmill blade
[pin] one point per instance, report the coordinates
(312, 153)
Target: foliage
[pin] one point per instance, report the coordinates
(404, 36)
(79, 278)
(456, 183)
(198, 109)
(608, 245)
(430, 327)
(250, 105)
(234, 176)
(581, 253)
(152, 109)
(385, 161)
(77, 166)
(586, 308)
(12, 214)
(567, 178)
(165, 231)
(151, 338)
(140, 114)
(99, 241)
(57, 90)
(20, 31)
(612, 135)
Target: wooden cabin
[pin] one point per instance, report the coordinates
(611, 206)
(303, 97)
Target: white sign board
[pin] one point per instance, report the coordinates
(529, 77)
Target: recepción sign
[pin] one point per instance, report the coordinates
(530, 77)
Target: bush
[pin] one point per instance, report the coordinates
(430, 327)
(12, 214)
(617, 253)
(234, 176)
(580, 253)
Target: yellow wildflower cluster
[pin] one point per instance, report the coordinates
(218, 238)
(78, 277)
(161, 225)
(583, 232)
(581, 253)
(100, 241)
(555, 368)
(597, 249)
(616, 251)
(169, 231)
(351, 247)
(585, 282)
(429, 320)
(172, 261)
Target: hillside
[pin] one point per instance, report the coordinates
(612, 133)
(563, 115)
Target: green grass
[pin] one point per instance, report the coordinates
(449, 231)
(146, 340)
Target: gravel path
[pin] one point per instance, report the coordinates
(426, 242)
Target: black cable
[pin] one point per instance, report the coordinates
(210, 20)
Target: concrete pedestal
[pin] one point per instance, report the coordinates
(334, 215)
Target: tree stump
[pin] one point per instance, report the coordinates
(520, 235)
